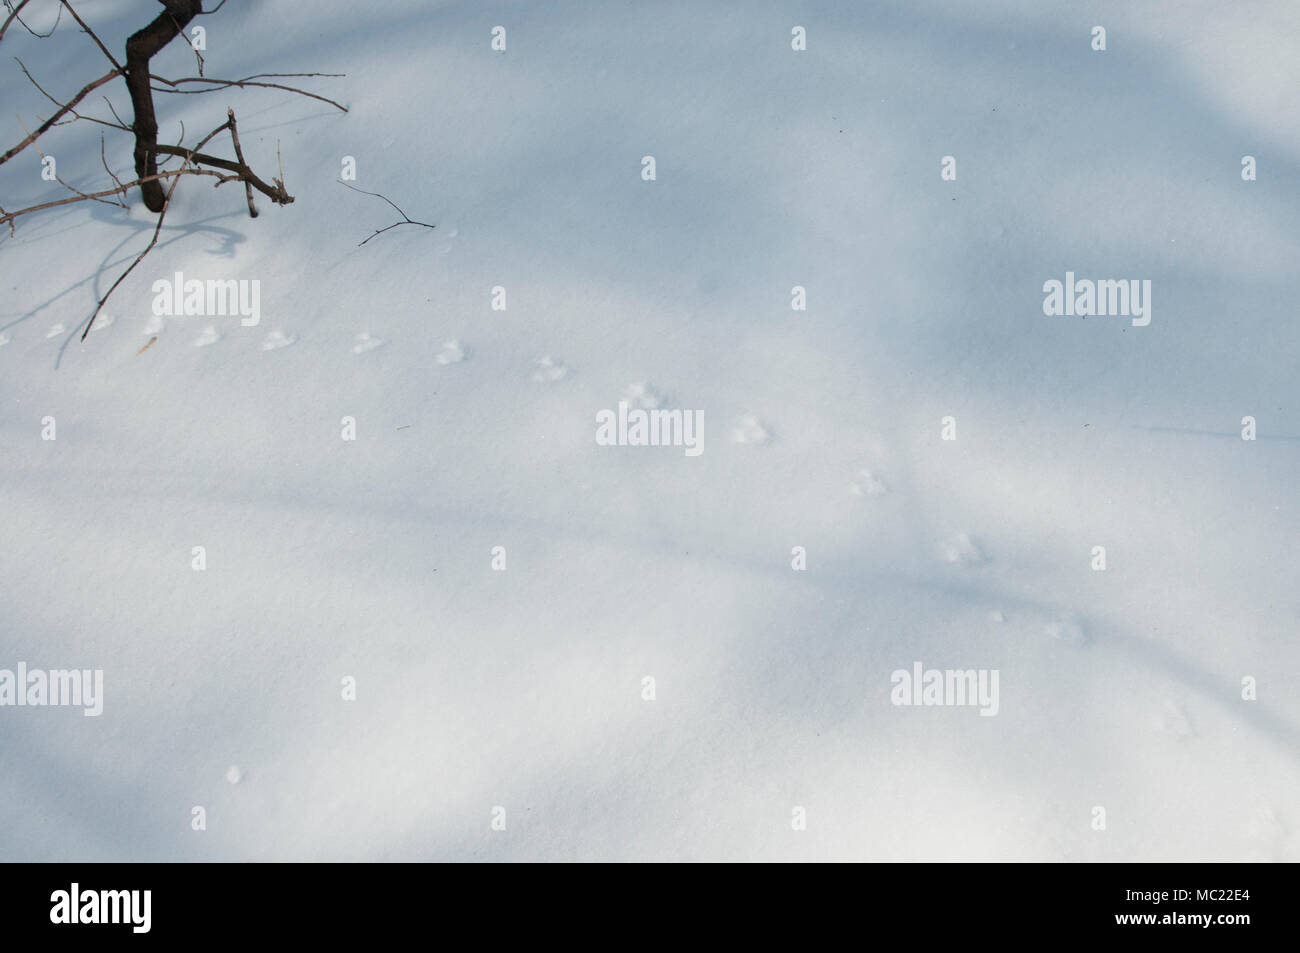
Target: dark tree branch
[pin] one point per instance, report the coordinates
(45, 126)
(91, 33)
(140, 48)
(275, 193)
(13, 15)
(109, 104)
(8, 218)
(249, 81)
(155, 189)
(239, 154)
(118, 125)
(103, 158)
(167, 199)
(197, 55)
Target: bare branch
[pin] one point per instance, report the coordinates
(103, 158)
(239, 154)
(45, 126)
(249, 81)
(8, 218)
(275, 193)
(104, 49)
(194, 49)
(406, 219)
(149, 178)
(118, 125)
(140, 47)
(13, 15)
(109, 103)
(59, 179)
(167, 201)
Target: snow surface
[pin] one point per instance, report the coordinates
(523, 688)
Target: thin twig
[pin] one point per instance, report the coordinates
(91, 33)
(250, 81)
(103, 158)
(273, 192)
(239, 154)
(181, 32)
(45, 126)
(59, 179)
(148, 248)
(167, 201)
(406, 219)
(77, 115)
(108, 102)
(13, 15)
(8, 218)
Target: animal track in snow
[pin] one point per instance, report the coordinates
(749, 430)
(55, 331)
(208, 336)
(961, 550)
(1266, 832)
(366, 343)
(868, 484)
(276, 340)
(103, 321)
(642, 395)
(1173, 719)
(451, 353)
(1067, 629)
(548, 369)
(155, 325)
(233, 774)
(4, 339)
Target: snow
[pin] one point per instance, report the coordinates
(522, 687)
